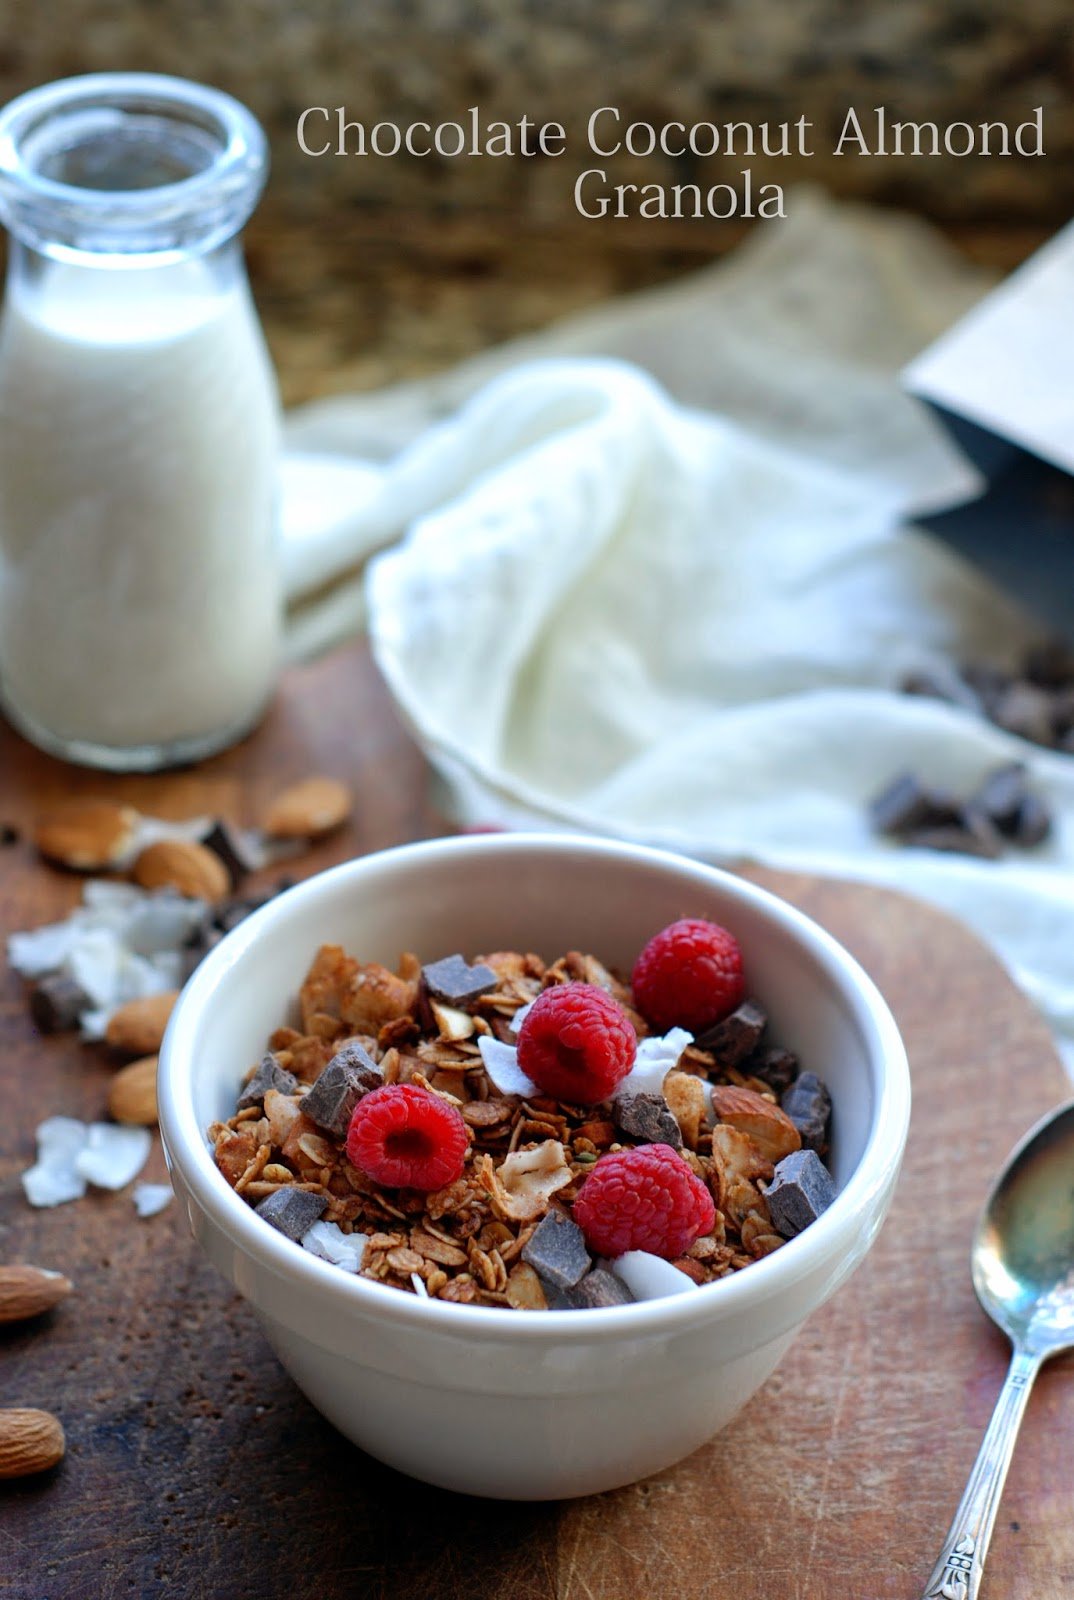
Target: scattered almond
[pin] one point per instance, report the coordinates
(769, 1127)
(30, 1441)
(27, 1291)
(685, 1094)
(309, 808)
(183, 864)
(137, 1028)
(87, 835)
(132, 1097)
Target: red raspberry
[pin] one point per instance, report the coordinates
(689, 976)
(407, 1138)
(643, 1199)
(577, 1043)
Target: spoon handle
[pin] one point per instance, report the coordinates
(957, 1574)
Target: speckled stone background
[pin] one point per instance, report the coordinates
(371, 268)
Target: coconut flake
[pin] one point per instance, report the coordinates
(55, 1179)
(523, 1185)
(113, 1155)
(501, 1063)
(520, 1016)
(149, 1198)
(328, 1241)
(41, 950)
(648, 1277)
(655, 1058)
(419, 1287)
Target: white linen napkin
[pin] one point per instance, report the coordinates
(676, 611)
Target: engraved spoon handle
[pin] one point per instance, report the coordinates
(957, 1574)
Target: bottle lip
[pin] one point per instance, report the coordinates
(169, 220)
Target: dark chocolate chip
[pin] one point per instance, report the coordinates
(906, 806)
(292, 1212)
(1034, 822)
(455, 981)
(809, 1106)
(1000, 795)
(597, 1289)
(349, 1075)
(777, 1068)
(234, 849)
(556, 1251)
(268, 1075)
(737, 1036)
(801, 1188)
(57, 1002)
(649, 1118)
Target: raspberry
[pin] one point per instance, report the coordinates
(689, 976)
(576, 1043)
(643, 1199)
(407, 1138)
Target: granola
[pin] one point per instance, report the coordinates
(450, 1029)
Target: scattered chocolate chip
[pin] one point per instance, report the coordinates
(348, 1076)
(777, 1068)
(455, 981)
(57, 1002)
(597, 1289)
(647, 1117)
(268, 1075)
(737, 1036)
(8, 834)
(1001, 795)
(292, 1212)
(809, 1106)
(1025, 709)
(556, 1251)
(801, 1189)
(907, 806)
(235, 848)
(1034, 822)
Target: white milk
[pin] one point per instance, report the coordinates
(139, 587)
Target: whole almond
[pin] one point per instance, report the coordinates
(309, 808)
(87, 835)
(185, 865)
(132, 1096)
(767, 1125)
(27, 1291)
(30, 1441)
(137, 1028)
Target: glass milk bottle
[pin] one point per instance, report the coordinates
(139, 582)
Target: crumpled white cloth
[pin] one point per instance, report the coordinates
(681, 619)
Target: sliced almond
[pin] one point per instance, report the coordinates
(685, 1095)
(524, 1289)
(132, 1096)
(87, 835)
(452, 1023)
(30, 1441)
(308, 809)
(27, 1291)
(182, 864)
(137, 1028)
(769, 1127)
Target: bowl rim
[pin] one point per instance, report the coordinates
(187, 1149)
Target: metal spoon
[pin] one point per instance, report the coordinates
(1023, 1272)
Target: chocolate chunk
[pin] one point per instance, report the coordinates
(269, 1075)
(597, 1289)
(1034, 822)
(8, 834)
(556, 1251)
(809, 1106)
(455, 981)
(1001, 794)
(348, 1076)
(235, 848)
(801, 1189)
(777, 1068)
(1026, 710)
(737, 1036)
(906, 805)
(649, 1118)
(57, 1002)
(292, 1212)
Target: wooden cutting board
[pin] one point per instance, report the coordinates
(196, 1469)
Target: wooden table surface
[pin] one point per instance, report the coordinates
(196, 1469)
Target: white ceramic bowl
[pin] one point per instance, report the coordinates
(531, 1405)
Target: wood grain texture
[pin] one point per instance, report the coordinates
(196, 1470)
